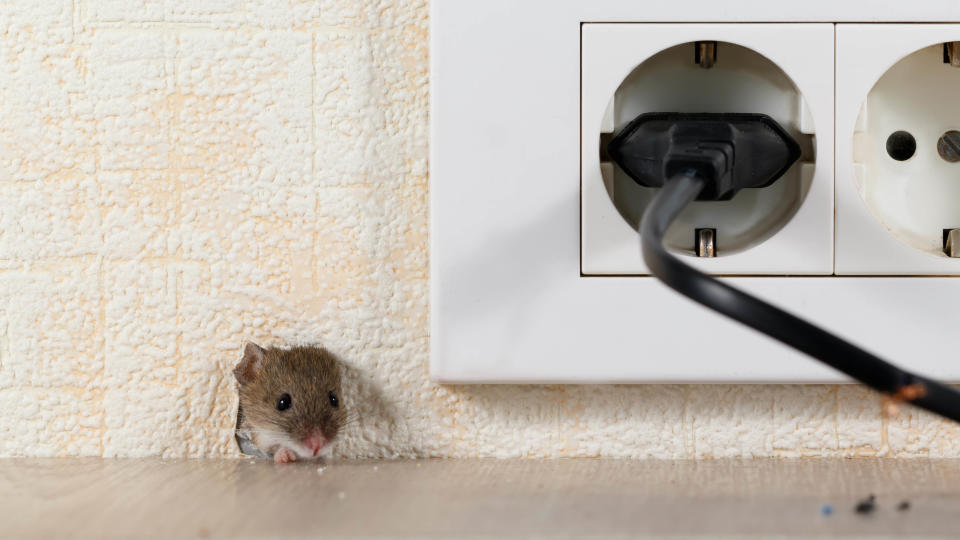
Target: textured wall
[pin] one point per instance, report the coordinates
(177, 176)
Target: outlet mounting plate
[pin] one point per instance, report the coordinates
(508, 300)
(924, 104)
(804, 53)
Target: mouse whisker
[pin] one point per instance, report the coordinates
(274, 433)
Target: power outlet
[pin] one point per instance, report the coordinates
(782, 70)
(892, 210)
(523, 216)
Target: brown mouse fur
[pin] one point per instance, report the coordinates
(305, 382)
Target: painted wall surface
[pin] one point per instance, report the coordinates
(177, 176)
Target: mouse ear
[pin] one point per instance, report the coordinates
(250, 365)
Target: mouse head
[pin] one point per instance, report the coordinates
(291, 397)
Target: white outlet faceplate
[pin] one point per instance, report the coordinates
(514, 135)
(804, 53)
(901, 69)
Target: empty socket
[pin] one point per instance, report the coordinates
(907, 145)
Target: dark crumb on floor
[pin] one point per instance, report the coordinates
(903, 506)
(867, 506)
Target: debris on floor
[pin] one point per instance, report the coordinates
(867, 506)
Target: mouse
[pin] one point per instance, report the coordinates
(290, 402)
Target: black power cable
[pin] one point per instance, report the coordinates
(683, 188)
(712, 156)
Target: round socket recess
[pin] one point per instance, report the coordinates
(714, 77)
(915, 195)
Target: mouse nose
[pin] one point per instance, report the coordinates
(316, 442)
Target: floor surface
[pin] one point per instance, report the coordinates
(564, 498)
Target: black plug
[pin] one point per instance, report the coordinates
(733, 151)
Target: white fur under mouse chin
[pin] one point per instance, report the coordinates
(277, 447)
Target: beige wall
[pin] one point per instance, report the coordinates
(177, 176)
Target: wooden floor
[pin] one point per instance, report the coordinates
(153, 498)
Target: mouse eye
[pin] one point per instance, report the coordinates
(284, 402)
(334, 402)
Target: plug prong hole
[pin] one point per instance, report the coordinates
(901, 145)
(949, 146)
